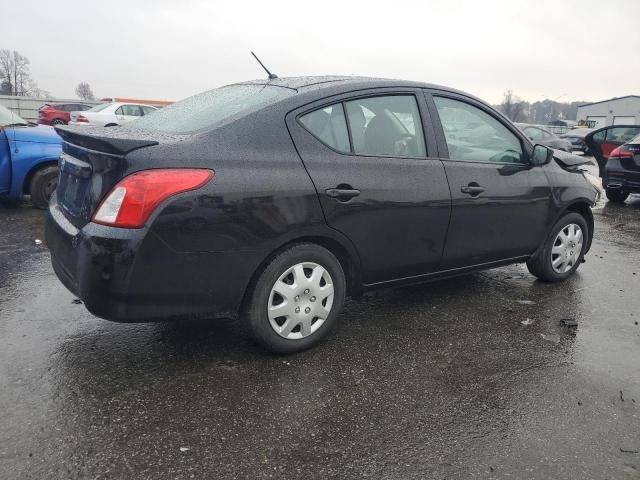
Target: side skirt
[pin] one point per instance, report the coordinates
(429, 277)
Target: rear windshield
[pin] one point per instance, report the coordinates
(211, 108)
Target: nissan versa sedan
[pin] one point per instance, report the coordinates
(271, 201)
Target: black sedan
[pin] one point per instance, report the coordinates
(271, 201)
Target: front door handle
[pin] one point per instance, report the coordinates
(342, 194)
(472, 189)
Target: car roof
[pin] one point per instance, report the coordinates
(53, 104)
(346, 83)
(132, 103)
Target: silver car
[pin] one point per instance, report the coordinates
(541, 135)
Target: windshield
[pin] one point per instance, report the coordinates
(207, 109)
(7, 117)
(99, 108)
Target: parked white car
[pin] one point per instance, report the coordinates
(110, 114)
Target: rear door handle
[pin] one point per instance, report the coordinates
(342, 194)
(472, 190)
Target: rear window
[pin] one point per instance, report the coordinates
(211, 108)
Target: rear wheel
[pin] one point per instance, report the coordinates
(563, 250)
(42, 185)
(57, 121)
(296, 299)
(616, 196)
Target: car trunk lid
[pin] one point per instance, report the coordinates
(92, 162)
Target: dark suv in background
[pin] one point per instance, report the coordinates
(273, 200)
(617, 150)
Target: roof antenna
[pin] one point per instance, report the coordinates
(271, 75)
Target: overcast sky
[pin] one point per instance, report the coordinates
(157, 49)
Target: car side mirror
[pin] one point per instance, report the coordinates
(541, 155)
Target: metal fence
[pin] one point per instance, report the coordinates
(27, 107)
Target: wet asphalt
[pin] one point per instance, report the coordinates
(469, 377)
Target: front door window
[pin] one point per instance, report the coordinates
(475, 136)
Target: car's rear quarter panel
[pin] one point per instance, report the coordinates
(202, 247)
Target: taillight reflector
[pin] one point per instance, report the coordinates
(82, 118)
(620, 153)
(132, 201)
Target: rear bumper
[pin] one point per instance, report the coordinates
(616, 177)
(131, 275)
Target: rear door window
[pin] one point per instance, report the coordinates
(132, 110)
(621, 134)
(386, 126)
(329, 126)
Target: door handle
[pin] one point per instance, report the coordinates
(472, 189)
(342, 194)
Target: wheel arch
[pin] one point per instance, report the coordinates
(344, 252)
(582, 207)
(29, 176)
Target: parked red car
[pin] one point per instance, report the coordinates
(59, 113)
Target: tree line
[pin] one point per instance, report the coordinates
(15, 78)
(541, 112)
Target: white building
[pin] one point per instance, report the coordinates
(615, 111)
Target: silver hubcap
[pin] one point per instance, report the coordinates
(566, 248)
(300, 301)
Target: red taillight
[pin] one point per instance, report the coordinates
(82, 118)
(132, 201)
(620, 153)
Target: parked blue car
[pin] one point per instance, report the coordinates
(28, 159)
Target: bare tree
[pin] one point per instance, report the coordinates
(15, 76)
(83, 91)
(513, 106)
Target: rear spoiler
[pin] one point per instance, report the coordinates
(103, 139)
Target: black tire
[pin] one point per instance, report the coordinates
(258, 303)
(57, 121)
(42, 185)
(540, 265)
(616, 196)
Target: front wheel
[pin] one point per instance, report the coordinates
(616, 196)
(296, 299)
(563, 250)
